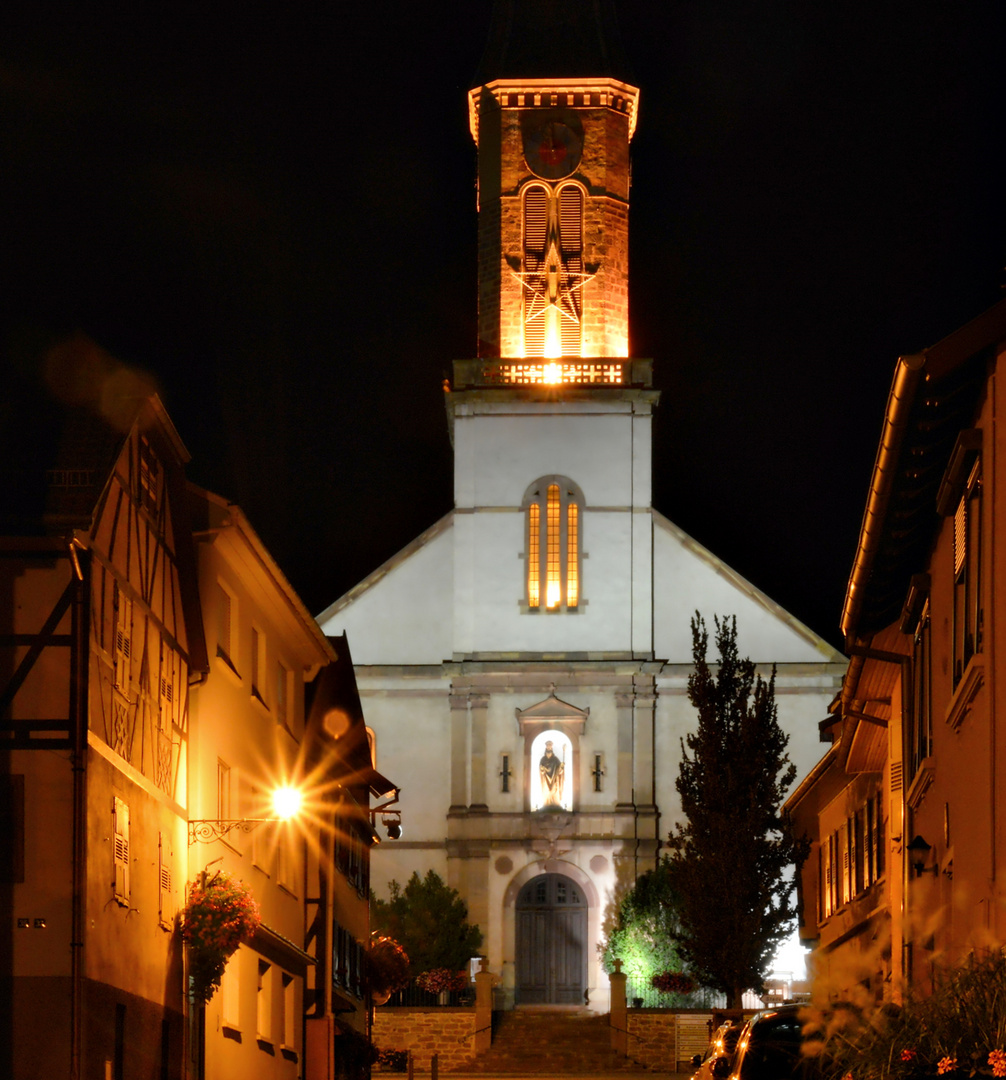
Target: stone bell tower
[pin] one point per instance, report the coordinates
(553, 122)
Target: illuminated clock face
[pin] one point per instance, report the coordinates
(552, 144)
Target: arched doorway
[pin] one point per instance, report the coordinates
(551, 952)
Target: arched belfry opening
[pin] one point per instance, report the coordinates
(551, 942)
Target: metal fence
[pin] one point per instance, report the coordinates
(414, 996)
(640, 994)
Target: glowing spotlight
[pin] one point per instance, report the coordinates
(286, 802)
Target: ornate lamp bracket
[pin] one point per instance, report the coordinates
(205, 830)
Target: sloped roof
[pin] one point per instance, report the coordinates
(553, 39)
(934, 395)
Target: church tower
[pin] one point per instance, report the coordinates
(553, 419)
(523, 663)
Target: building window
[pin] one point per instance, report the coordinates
(553, 276)
(288, 1036)
(258, 665)
(553, 544)
(230, 992)
(225, 605)
(120, 850)
(263, 1002)
(12, 828)
(851, 859)
(967, 576)
(920, 733)
(123, 639)
(283, 694)
(223, 791)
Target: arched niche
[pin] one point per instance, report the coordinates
(562, 724)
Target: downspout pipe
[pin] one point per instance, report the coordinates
(907, 375)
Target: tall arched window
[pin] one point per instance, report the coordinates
(553, 276)
(553, 511)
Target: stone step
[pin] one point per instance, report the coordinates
(552, 1042)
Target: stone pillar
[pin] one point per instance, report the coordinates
(618, 1016)
(483, 1008)
(479, 704)
(459, 748)
(644, 724)
(623, 712)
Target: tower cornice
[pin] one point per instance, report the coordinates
(571, 93)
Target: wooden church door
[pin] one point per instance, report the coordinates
(551, 942)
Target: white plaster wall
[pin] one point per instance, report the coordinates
(688, 578)
(412, 733)
(501, 451)
(405, 617)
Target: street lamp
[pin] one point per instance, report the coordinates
(286, 804)
(390, 819)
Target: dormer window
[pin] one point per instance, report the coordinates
(553, 508)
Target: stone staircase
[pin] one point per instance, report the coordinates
(551, 1041)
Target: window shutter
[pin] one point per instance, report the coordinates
(960, 535)
(165, 905)
(535, 237)
(571, 245)
(120, 850)
(123, 639)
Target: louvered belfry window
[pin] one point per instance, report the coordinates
(571, 241)
(553, 508)
(553, 270)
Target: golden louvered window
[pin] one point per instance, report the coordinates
(533, 554)
(553, 545)
(553, 579)
(552, 273)
(535, 237)
(571, 245)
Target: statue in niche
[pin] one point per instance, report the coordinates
(553, 774)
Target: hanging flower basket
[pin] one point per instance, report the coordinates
(219, 916)
(388, 968)
(673, 982)
(442, 980)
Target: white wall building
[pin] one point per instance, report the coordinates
(553, 604)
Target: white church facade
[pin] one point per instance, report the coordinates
(523, 663)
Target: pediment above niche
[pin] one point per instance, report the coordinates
(552, 712)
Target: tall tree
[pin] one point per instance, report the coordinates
(732, 853)
(430, 921)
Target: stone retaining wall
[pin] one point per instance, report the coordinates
(447, 1032)
(651, 1038)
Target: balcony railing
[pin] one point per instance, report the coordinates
(599, 372)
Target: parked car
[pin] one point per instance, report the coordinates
(715, 1063)
(769, 1047)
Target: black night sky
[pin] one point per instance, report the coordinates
(273, 213)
